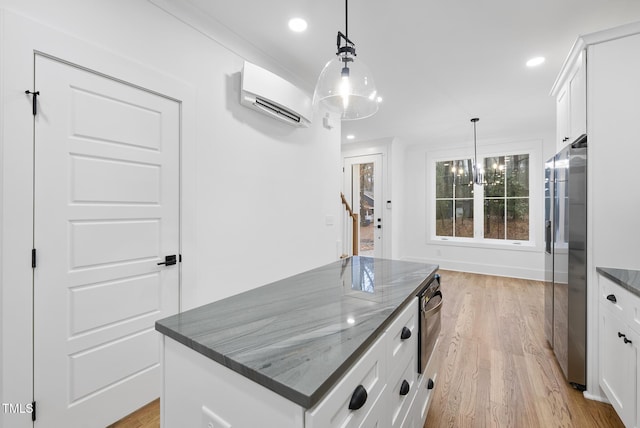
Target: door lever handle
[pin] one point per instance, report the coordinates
(169, 260)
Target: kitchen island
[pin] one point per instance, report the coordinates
(292, 353)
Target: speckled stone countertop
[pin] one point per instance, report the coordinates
(298, 336)
(629, 279)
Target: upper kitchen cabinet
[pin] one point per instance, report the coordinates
(570, 91)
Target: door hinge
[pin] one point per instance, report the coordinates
(33, 411)
(35, 100)
(33, 258)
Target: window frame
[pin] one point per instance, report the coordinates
(453, 198)
(531, 148)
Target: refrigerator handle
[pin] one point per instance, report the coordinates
(547, 236)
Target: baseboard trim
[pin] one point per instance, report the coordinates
(596, 397)
(483, 269)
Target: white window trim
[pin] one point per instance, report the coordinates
(534, 149)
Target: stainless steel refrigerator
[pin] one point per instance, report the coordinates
(566, 259)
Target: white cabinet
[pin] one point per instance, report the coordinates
(388, 372)
(198, 390)
(619, 345)
(571, 104)
(364, 382)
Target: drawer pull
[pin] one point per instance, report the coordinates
(358, 398)
(627, 340)
(406, 333)
(621, 334)
(612, 298)
(404, 388)
(430, 384)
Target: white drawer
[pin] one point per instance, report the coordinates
(424, 393)
(626, 305)
(634, 315)
(399, 404)
(333, 410)
(377, 416)
(612, 296)
(400, 350)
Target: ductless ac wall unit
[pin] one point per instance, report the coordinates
(270, 94)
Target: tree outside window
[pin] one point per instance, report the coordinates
(505, 203)
(454, 198)
(506, 197)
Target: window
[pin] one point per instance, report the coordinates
(506, 197)
(454, 198)
(501, 204)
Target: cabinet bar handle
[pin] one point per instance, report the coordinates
(612, 298)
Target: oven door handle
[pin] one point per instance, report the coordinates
(427, 312)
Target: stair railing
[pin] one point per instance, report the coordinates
(350, 222)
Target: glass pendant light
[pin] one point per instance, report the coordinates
(345, 84)
(477, 169)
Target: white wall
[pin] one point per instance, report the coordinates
(499, 259)
(256, 192)
(257, 182)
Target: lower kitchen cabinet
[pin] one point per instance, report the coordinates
(382, 388)
(619, 344)
(424, 393)
(406, 394)
(351, 400)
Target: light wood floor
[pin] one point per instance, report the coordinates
(146, 417)
(496, 369)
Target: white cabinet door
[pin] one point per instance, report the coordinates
(562, 118)
(636, 351)
(618, 364)
(578, 100)
(571, 105)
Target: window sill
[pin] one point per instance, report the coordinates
(484, 243)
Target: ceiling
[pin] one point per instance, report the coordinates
(437, 64)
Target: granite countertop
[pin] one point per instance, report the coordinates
(629, 279)
(298, 336)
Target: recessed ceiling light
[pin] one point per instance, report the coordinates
(534, 62)
(350, 137)
(297, 24)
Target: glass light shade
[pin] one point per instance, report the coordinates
(353, 96)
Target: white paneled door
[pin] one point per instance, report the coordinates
(106, 201)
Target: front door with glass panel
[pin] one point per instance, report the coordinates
(363, 189)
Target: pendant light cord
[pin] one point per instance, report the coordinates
(346, 19)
